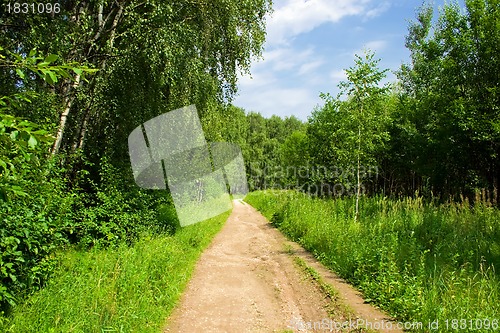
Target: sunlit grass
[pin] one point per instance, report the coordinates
(126, 289)
(419, 261)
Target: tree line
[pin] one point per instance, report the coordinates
(434, 132)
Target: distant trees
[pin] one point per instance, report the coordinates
(270, 146)
(296, 158)
(265, 150)
(434, 132)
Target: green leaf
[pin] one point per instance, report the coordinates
(53, 77)
(51, 58)
(48, 78)
(17, 56)
(32, 142)
(63, 73)
(78, 71)
(18, 191)
(20, 73)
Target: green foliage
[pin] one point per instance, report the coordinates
(146, 59)
(430, 261)
(31, 228)
(33, 208)
(21, 144)
(453, 83)
(266, 144)
(44, 67)
(295, 154)
(167, 218)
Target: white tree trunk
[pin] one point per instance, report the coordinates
(68, 101)
(358, 188)
(83, 129)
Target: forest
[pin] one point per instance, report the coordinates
(78, 78)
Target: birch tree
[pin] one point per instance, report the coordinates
(365, 115)
(183, 52)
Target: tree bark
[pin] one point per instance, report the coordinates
(78, 144)
(358, 188)
(68, 101)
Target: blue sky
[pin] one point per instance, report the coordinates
(310, 43)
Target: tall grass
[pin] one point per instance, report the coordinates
(419, 261)
(123, 289)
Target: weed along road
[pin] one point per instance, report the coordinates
(249, 280)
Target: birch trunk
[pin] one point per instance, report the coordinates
(68, 101)
(87, 113)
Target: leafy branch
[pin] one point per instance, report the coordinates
(42, 66)
(21, 140)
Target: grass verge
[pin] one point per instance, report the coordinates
(343, 317)
(123, 289)
(325, 288)
(421, 262)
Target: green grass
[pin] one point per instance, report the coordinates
(419, 261)
(125, 289)
(325, 288)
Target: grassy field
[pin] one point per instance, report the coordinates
(420, 261)
(125, 289)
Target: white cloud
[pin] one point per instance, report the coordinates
(308, 67)
(257, 79)
(280, 101)
(285, 83)
(384, 6)
(376, 45)
(285, 59)
(295, 17)
(338, 75)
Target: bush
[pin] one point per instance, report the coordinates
(167, 218)
(30, 229)
(50, 215)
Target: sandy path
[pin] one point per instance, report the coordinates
(246, 281)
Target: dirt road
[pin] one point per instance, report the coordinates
(247, 281)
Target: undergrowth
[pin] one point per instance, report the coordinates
(115, 289)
